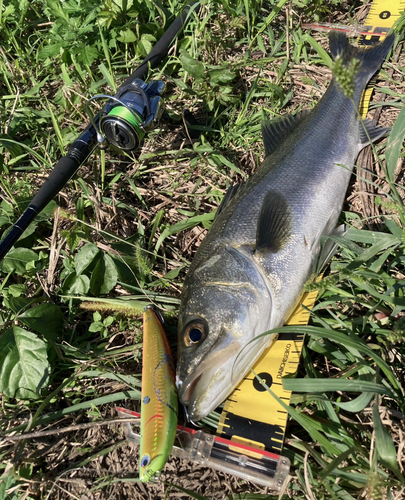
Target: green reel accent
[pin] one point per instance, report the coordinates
(122, 128)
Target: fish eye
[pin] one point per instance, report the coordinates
(195, 332)
(145, 460)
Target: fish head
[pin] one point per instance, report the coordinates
(225, 304)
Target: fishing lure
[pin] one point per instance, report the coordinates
(159, 398)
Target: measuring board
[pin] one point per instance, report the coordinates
(251, 415)
(382, 16)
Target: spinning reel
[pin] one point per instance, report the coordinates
(129, 115)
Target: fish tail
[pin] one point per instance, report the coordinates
(363, 61)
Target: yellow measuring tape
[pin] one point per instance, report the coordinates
(250, 415)
(383, 14)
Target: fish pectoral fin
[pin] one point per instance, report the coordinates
(276, 130)
(229, 195)
(370, 132)
(274, 226)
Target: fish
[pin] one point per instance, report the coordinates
(159, 402)
(265, 243)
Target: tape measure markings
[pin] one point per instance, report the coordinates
(384, 13)
(381, 17)
(251, 402)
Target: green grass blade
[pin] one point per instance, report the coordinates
(358, 404)
(338, 493)
(327, 385)
(336, 462)
(273, 14)
(385, 445)
(50, 417)
(348, 341)
(56, 127)
(108, 76)
(395, 142)
(326, 59)
(183, 225)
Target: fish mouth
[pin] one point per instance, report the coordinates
(201, 391)
(216, 376)
(189, 388)
(199, 397)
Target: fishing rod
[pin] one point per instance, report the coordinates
(123, 122)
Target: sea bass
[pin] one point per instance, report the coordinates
(263, 246)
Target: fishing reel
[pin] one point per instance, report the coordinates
(129, 115)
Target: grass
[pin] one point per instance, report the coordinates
(130, 225)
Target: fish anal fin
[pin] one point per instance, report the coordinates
(370, 132)
(274, 131)
(328, 248)
(274, 226)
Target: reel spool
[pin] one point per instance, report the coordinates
(128, 115)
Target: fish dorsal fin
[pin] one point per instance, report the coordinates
(374, 132)
(274, 226)
(230, 193)
(274, 131)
